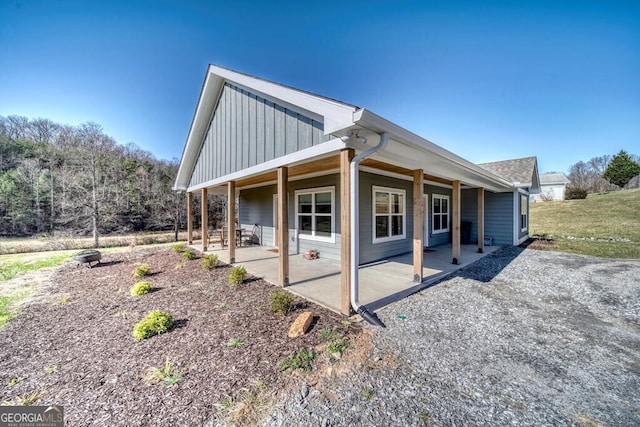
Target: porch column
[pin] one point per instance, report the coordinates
(418, 224)
(189, 217)
(283, 226)
(455, 223)
(345, 230)
(480, 220)
(231, 220)
(204, 212)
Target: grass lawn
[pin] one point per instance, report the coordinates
(604, 225)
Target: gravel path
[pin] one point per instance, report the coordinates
(522, 337)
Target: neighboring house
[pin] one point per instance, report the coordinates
(552, 187)
(289, 158)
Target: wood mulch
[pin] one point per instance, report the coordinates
(76, 346)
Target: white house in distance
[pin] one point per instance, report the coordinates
(552, 187)
(316, 173)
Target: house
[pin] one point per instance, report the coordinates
(316, 173)
(552, 187)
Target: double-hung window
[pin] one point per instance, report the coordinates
(440, 213)
(524, 217)
(315, 212)
(389, 220)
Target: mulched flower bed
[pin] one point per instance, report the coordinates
(76, 344)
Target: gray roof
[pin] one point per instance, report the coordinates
(553, 178)
(518, 171)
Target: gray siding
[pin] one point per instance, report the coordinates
(498, 217)
(438, 238)
(256, 207)
(469, 211)
(246, 129)
(369, 251)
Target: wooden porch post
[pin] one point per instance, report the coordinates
(418, 224)
(345, 230)
(283, 226)
(480, 220)
(189, 217)
(231, 220)
(204, 212)
(455, 225)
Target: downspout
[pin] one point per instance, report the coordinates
(354, 196)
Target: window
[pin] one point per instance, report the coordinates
(388, 214)
(440, 213)
(524, 219)
(315, 214)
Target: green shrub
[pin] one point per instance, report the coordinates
(168, 374)
(209, 262)
(337, 347)
(154, 323)
(142, 270)
(281, 302)
(328, 334)
(301, 359)
(236, 276)
(141, 288)
(189, 254)
(178, 247)
(575, 193)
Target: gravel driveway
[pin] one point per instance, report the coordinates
(522, 337)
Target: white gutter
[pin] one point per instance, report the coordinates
(354, 200)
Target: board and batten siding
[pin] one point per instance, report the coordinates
(498, 217)
(247, 129)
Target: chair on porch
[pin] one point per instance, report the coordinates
(250, 237)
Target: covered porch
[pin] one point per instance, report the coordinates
(381, 283)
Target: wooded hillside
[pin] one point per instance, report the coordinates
(78, 180)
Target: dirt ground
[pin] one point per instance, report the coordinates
(73, 342)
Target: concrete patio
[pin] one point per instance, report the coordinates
(381, 283)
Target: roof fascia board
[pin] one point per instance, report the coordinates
(378, 124)
(336, 114)
(291, 159)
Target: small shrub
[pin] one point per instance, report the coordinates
(167, 375)
(154, 323)
(575, 193)
(367, 393)
(188, 254)
(209, 262)
(236, 276)
(235, 343)
(142, 270)
(328, 334)
(178, 247)
(337, 347)
(281, 302)
(52, 369)
(63, 299)
(141, 288)
(301, 359)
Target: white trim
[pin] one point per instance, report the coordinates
(390, 191)
(312, 191)
(288, 160)
(522, 240)
(433, 212)
(526, 199)
(516, 217)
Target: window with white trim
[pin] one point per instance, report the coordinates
(315, 213)
(440, 213)
(524, 217)
(389, 219)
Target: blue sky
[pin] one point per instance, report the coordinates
(486, 80)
